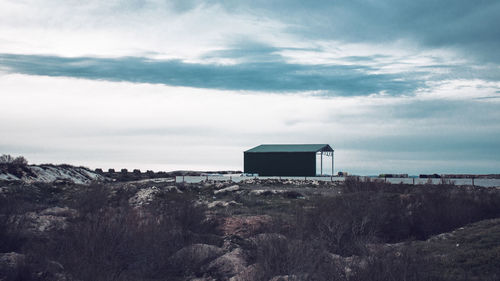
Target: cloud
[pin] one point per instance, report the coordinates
(170, 29)
(190, 28)
(410, 41)
(255, 75)
(398, 85)
(468, 26)
(154, 126)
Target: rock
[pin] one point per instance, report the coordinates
(244, 226)
(250, 273)
(219, 185)
(61, 277)
(50, 219)
(59, 211)
(293, 195)
(11, 260)
(10, 264)
(172, 188)
(144, 196)
(285, 278)
(231, 188)
(60, 174)
(42, 224)
(227, 265)
(219, 203)
(262, 192)
(196, 255)
(257, 239)
(54, 267)
(347, 264)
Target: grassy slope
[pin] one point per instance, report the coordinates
(468, 253)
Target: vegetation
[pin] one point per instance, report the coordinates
(358, 230)
(9, 160)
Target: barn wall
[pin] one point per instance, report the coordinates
(280, 164)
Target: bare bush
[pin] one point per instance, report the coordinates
(125, 243)
(395, 265)
(7, 159)
(277, 255)
(11, 236)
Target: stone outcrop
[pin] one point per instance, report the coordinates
(228, 189)
(196, 254)
(47, 220)
(10, 265)
(144, 196)
(227, 265)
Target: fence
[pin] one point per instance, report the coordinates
(238, 178)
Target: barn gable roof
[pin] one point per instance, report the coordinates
(263, 148)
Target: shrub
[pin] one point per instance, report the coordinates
(344, 224)
(395, 265)
(122, 243)
(392, 213)
(276, 255)
(7, 159)
(11, 237)
(90, 199)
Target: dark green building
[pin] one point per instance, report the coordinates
(286, 159)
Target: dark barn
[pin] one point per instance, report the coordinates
(285, 159)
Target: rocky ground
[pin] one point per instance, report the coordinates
(48, 173)
(254, 230)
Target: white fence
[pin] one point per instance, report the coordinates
(239, 178)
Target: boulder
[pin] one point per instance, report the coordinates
(172, 188)
(144, 196)
(266, 192)
(261, 237)
(250, 273)
(285, 278)
(228, 189)
(219, 185)
(10, 265)
(196, 255)
(347, 265)
(219, 203)
(227, 265)
(59, 211)
(12, 259)
(50, 219)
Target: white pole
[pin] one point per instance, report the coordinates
(333, 170)
(321, 163)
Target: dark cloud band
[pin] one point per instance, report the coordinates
(275, 75)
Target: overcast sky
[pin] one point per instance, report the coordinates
(394, 86)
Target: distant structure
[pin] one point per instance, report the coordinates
(286, 159)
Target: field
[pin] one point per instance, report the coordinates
(154, 229)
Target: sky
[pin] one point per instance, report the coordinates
(393, 86)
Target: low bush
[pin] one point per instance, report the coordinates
(390, 213)
(395, 265)
(11, 237)
(123, 243)
(277, 255)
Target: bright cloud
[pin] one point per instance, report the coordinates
(123, 28)
(105, 124)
